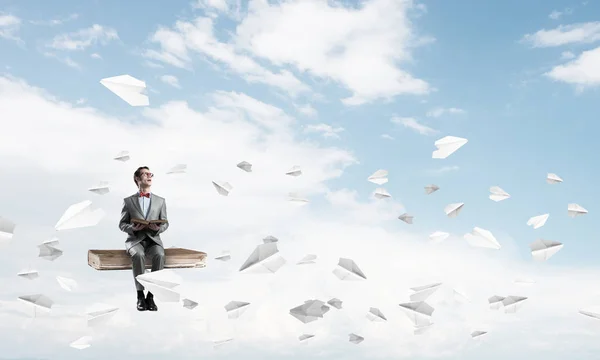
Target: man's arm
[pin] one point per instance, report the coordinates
(163, 216)
(125, 222)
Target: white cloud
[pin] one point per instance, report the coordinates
(387, 137)
(84, 38)
(413, 124)
(63, 59)
(73, 148)
(198, 36)
(437, 112)
(55, 22)
(170, 80)
(324, 129)
(583, 71)
(567, 55)
(214, 8)
(555, 15)
(306, 109)
(9, 27)
(564, 34)
(359, 47)
(444, 169)
(96, 56)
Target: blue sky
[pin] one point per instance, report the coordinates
(521, 123)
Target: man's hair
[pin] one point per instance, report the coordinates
(138, 173)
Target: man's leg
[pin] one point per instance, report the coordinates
(157, 254)
(138, 261)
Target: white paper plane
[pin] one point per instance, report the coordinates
(122, 156)
(482, 238)
(297, 199)
(265, 259)
(29, 274)
(381, 193)
(513, 303)
(406, 218)
(419, 312)
(99, 314)
(178, 169)
(538, 221)
(223, 188)
(7, 230)
(225, 256)
(101, 188)
(496, 302)
(80, 215)
(83, 342)
(189, 304)
(430, 189)
(453, 210)
(235, 309)
(575, 210)
(542, 250)
(38, 302)
(375, 315)
(49, 253)
(379, 177)
(51, 242)
(310, 311)
(422, 293)
(477, 334)
(348, 270)
(308, 259)
(305, 337)
(592, 311)
(553, 179)
(162, 284)
(294, 171)
(219, 343)
(497, 194)
(246, 166)
(438, 236)
(128, 89)
(66, 283)
(336, 303)
(447, 146)
(355, 339)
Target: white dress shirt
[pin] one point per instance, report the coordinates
(145, 204)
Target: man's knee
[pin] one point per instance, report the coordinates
(138, 255)
(159, 253)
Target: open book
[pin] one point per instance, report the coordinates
(146, 222)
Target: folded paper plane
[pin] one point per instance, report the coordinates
(128, 88)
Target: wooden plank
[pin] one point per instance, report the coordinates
(175, 258)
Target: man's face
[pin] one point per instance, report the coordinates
(146, 178)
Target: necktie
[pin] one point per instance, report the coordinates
(144, 194)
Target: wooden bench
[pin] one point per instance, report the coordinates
(175, 258)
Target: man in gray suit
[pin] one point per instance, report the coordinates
(143, 241)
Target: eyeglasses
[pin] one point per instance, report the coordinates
(148, 174)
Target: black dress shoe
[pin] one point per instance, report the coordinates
(150, 304)
(141, 304)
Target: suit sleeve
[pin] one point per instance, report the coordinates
(125, 222)
(163, 216)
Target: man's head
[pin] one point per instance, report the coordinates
(143, 177)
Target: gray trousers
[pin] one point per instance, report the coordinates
(146, 248)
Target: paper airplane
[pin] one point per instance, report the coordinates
(542, 250)
(438, 236)
(225, 256)
(379, 177)
(189, 304)
(538, 221)
(178, 169)
(447, 146)
(162, 284)
(482, 238)
(513, 303)
(7, 230)
(419, 312)
(101, 188)
(478, 333)
(406, 218)
(66, 283)
(79, 215)
(270, 239)
(430, 189)
(348, 270)
(235, 309)
(83, 342)
(128, 89)
(297, 199)
(308, 259)
(305, 337)
(223, 188)
(553, 179)
(497, 194)
(246, 166)
(99, 314)
(122, 156)
(376, 315)
(294, 171)
(336, 303)
(575, 210)
(38, 302)
(53, 241)
(422, 293)
(381, 193)
(496, 302)
(593, 312)
(453, 210)
(310, 311)
(29, 274)
(49, 253)
(355, 339)
(265, 259)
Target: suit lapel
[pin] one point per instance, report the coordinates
(136, 204)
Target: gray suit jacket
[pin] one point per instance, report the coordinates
(132, 210)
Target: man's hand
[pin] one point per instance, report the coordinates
(138, 227)
(153, 227)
